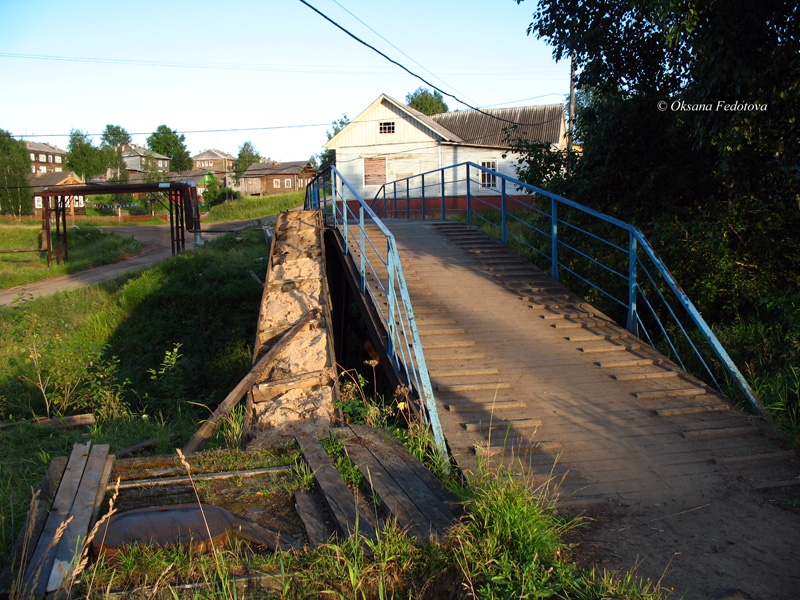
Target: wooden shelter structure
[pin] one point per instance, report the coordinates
(181, 198)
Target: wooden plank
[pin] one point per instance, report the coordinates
(422, 486)
(101, 488)
(34, 523)
(340, 500)
(81, 512)
(201, 437)
(393, 497)
(41, 563)
(262, 536)
(307, 511)
(185, 479)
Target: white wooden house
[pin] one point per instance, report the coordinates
(390, 141)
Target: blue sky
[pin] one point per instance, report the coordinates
(274, 64)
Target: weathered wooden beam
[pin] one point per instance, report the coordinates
(262, 536)
(341, 502)
(185, 479)
(199, 439)
(306, 509)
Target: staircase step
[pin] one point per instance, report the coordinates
(466, 387)
(628, 362)
(643, 376)
(499, 425)
(464, 373)
(704, 434)
(693, 391)
(691, 410)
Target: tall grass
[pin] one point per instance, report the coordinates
(88, 247)
(254, 207)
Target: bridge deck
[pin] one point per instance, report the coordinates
(526, 373)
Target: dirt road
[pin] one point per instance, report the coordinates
(156, 247)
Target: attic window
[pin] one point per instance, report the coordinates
(386, 127)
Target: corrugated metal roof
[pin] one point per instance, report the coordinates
(479, 127)
(134, 150)
(447, 134)
(286, 168)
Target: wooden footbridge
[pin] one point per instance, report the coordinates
(514, 368)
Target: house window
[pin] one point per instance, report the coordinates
(489, 180)
(33, 168)
(386, 127)
(43, 158)
(58, 169)
(375, 170)
(42, 169)
(58, 159)
(49, 158)
(287, 183)
(33, 156)
(37, 202)
(276, 183)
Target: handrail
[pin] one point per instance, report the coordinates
(372, 254)
(533, 220)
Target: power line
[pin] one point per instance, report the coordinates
(410, 72)
(183, 132)
(395, 47)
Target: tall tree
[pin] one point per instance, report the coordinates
(84, 157)
(15, 165)
(692, 126)
(327, 157)
(113, 136)
(426, 102)
(167, 142)
(111, 142)
(247, 156)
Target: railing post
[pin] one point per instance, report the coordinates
(503, 211)
(344, 218)
(423, 196)
(444, 210)
(362, 249)
(394, 187)
(408, 198)
(469, 198)
(633, 320)
(384, 200)
(333, 199)
(392, 300)
(554, 238)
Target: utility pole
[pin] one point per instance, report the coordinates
(570, 131)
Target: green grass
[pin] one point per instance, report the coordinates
(254, 208)
(88, 247)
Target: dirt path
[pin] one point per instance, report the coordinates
(156, 247)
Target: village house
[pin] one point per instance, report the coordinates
(390, 141)
(46, 158)
(263, 179)
(218, 162)
(135, 156)
(42, 181)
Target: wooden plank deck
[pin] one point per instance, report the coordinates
(528, 374)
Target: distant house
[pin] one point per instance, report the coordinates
(263, 179)
(42, 181)
(218, 162)
(390, 141)
(134, 157)
(46, 158)
(200, 177)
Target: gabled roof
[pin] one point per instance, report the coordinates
(213, 155)
(198, 176)
(39, 182)
(134, 150)
(286, 168)
(481, 127)
(42, 147)
(488, 127)
(436, 128)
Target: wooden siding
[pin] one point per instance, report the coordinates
(365, 129)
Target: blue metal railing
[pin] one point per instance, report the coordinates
(374, 253)
(616, 262)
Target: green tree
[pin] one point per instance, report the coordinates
(111, 142)
(15, 165)
(327, 157)
(426, 102)
(247, 156)
(167, 142)
(84, 157)
(665, 145)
